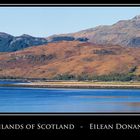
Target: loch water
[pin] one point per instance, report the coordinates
(58, 100)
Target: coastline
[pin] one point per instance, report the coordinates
(77, 85)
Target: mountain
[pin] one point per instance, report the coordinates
(70, 58)
(9, 43)
(104, 52)
(124, 33)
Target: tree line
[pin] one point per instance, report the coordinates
(85, 77)
(109, 77)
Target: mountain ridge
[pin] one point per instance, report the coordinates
(9, 43)
(124, 32)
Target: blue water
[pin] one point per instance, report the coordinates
(10, 82)
(18, 99)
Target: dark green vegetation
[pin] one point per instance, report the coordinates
(110, 77)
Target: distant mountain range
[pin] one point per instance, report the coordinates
(124, 33)
(99, 51)
(9, 43)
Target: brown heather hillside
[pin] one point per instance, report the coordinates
(69, 57)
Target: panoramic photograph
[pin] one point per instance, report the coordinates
(69, 59)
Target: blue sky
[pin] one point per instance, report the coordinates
(45, 21)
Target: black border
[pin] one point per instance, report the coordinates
(69, 5)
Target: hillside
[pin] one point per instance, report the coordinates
(70, 58)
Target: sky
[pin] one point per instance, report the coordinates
(46, 21)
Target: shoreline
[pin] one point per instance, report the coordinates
(75, 85)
